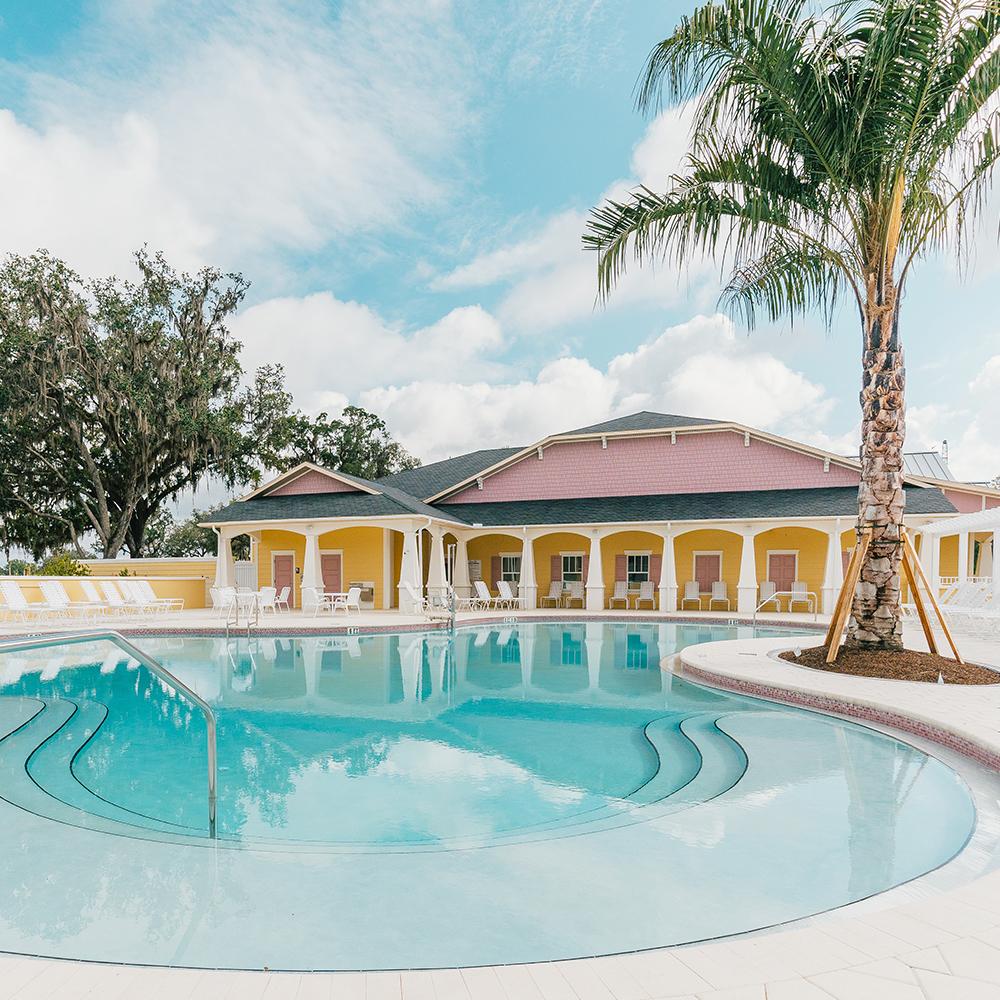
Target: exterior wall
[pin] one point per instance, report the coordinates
(622, 542)
(811, 547)
(949, 556)
(362, 556)
(708, 540)
(697, 463)
(486, 547)
(965, 503)
(200, 566)
(551, 545)
(312, 482)
(192, 590)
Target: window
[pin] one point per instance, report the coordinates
(572, 566)
(510, 567)
(707, 570)
(572, 650)
(636, 653)
(638, 568)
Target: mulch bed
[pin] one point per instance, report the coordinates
(908, 665)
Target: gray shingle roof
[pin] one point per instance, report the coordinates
(828, 501)
(645, 420)
(319, 505)
(429, 480)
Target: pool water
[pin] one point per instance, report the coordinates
(510, 794)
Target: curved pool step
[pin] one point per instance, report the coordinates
(44, 732)
(54, 766)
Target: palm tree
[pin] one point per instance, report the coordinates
(829, 152)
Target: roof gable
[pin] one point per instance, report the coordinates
(306, 477)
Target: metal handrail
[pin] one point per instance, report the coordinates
(156, 668)
(799, 596)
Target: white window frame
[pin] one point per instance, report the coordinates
(563, 556)
(780, 552)
(516, 578)
(694, 565)
(630, 553)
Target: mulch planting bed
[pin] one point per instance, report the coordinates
(908, 665)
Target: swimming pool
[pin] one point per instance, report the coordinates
(510, 794)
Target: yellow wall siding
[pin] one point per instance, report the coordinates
(708, 540)
(485, 547)
(200, 567)
(362, 556)
(949, 555)
(272, 541)
(810, 546)
(620, 543)
(551, 545)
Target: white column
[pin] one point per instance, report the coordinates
(436, 579)
(411, 659)
(527, 585)
(461, 582)
(594, 643)
(963, 557)
(387, 542)
(225, 565)
(409, 571)
(312, 571)
(747, 586)
(311, 658)
(668, 573)
(595, 575)
(833, 579)
(996, 563)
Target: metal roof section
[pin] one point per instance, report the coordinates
(931, 464)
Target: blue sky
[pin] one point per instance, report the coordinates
(405, 184)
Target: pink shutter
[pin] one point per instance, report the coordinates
(655, 568)
(556, 567)
(621, 568)
(495, 571)
(586, 567)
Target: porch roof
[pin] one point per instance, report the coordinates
(827, 501)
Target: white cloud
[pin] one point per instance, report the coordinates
(332, 350)
(975, 446)
(699, 368)
(224, 130)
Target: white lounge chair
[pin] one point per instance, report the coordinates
(576, 593)
(15, 603)
(646, 595)
(766, 596)
(93, 596)
(506, 597)
(145, 598)
(554, 595)
(486, 599)
(692, 592)
(59, 601)
(144, 589)
(348, 602)
(118, 603)
(314, 600)
(720, 595)
(620, 594)
(801, 595)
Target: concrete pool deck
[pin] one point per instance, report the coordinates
(934, 939)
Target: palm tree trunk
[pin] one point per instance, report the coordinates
(876, 618)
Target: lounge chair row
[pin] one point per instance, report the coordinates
(102, 598)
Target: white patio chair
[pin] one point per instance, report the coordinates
(646, 595)
(486, 599)
(15, 603)
(554, 595)
(800, 595)
(116, 602)
(692, 592)
(281, 601)
(134, 595)
(766, 595)
(267, 600)
(576, 593)
(93, 596)
(420, 603)
(720, 595)
(620, 594)
(350, 600)
(144, 589)
(314, 600)
(506, 596)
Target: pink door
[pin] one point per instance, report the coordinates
(332, 578)
(781, 570)
(707, 570)
(284, 574)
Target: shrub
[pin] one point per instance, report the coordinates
(63, 564)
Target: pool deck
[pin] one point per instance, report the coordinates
(925, 941)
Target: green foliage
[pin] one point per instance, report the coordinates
(188, 538)
(829, 151)
(63, 564)
(18, 567)
(357, 442)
